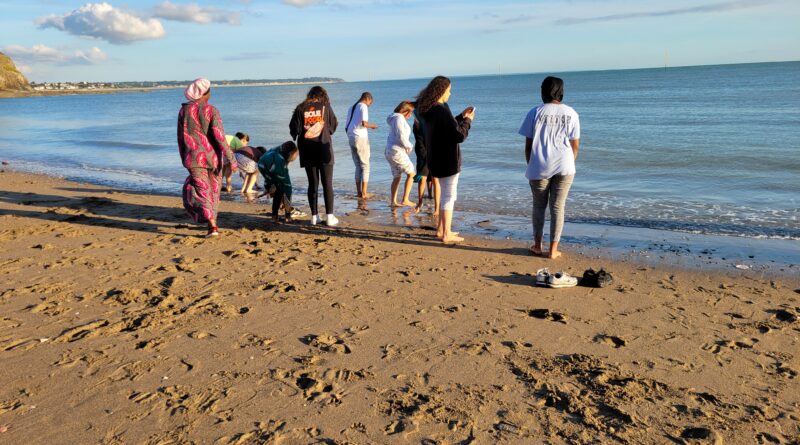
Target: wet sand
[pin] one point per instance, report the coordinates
(120, 324)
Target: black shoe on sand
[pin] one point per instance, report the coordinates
(596, 279)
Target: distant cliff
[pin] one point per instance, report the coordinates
(10, 78)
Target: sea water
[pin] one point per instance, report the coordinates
(708, 149)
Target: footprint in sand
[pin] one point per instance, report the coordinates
(389, 351)
(281, 286)
(610, 340)
(766, 438)
(700, 435)
(87, 330)
(264, 432)
(785, 370)
(720, 345)
(50, 308)
(22, 345)
(316, 389)
(475, 348)
(784, 315)
(326, 343)
(547, 314)
(255, 341)
(10, 405)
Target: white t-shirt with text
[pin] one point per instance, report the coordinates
(551, 127)
(360, 114)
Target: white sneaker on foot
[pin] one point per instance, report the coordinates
(331, 220)
(314, 220)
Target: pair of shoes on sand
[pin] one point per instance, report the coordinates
(554, 280)
(600, 278)
(329, 220)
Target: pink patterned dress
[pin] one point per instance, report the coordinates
(202, 145)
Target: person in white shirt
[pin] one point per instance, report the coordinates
(357, 126)
(398, 147)
(552, 133)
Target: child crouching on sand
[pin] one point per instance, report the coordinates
(274, 166)
(398, 147)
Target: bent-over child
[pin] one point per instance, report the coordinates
(247, 158)
(235, 142)
(274, 166)
(398, 147)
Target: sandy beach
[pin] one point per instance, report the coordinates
(120, 324)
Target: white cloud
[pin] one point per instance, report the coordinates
(45, 54)
(302, 3)
(102, 21)
(194, 13)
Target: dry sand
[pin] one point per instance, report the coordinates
(120, 325)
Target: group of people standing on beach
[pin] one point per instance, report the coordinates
(551, 131)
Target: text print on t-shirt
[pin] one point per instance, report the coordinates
(560, 121)
(311, 117)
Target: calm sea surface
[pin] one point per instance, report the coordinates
(712, 149)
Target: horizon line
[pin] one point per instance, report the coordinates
(518, 73)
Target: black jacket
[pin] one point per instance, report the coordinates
(443, 134)
(318, 150)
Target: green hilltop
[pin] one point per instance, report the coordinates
(10, 77)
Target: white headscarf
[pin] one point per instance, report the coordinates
(197, 89)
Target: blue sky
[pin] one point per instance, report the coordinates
(55, 40)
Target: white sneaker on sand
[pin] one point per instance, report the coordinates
(314, 220)
(561, 279)
(541, 277)
(331, 220)
(297, 213)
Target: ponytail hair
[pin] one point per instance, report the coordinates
(404, 107)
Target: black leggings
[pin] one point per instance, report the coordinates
(316, 173)
(279, 198)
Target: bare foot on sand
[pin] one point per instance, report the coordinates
(367, 196)
(535, 250)
(452, 238)
(407, 203)
(554, 255)
(440, 236)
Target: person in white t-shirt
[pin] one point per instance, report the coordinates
(552, 133)
(357, 126)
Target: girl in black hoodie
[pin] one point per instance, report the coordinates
(443, 134)
(312, 125)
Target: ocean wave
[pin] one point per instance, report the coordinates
(697, 228)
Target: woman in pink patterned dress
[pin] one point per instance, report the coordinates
(202, 144)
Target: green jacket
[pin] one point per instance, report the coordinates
(275, 170)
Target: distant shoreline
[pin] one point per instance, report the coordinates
(12, 94)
